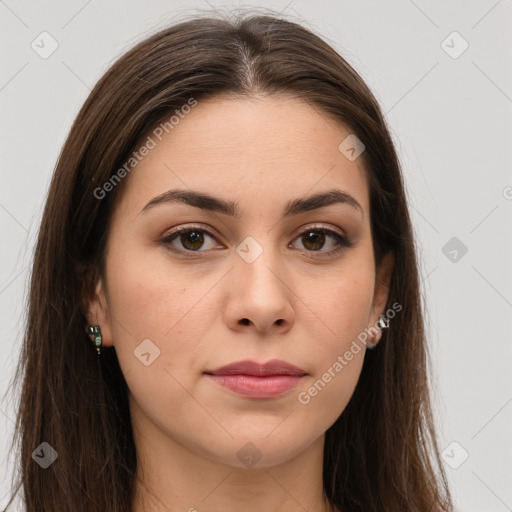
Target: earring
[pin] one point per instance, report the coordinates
(96, 332)
(382, 323)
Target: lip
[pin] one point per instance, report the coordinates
(247, 367)
(252, 379)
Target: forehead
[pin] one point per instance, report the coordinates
(266, 148)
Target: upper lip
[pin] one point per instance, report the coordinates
(273, 367)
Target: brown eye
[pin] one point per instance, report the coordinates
(316, 238)
(192, 240)
(313, 240)
(189, 240)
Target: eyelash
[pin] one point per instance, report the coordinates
(342, 242)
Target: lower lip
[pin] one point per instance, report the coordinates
(257, 387)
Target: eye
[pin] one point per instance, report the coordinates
(190, 238)
(315, 238)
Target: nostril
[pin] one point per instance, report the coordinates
(245, 321)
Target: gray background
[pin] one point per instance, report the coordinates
(450, 118)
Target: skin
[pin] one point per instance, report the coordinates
(302, 306)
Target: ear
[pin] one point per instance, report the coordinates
(97, 313)
(381, 292)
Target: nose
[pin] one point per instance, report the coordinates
(259, 297)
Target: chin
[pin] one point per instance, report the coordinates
(252, 452)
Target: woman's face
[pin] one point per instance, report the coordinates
(259, 274)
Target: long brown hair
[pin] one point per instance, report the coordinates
(381, 455)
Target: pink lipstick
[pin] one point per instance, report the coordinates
(255, 380)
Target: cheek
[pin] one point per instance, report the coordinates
(173, 308)
(345, 303)
(339, 356)
(327, 394)
(147, 302)
(147, 296)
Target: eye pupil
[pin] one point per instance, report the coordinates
(195, 238)
(316, 238)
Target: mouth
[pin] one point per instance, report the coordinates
(252, 379)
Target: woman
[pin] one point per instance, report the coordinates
(225, 309)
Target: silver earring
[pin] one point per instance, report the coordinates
(383, 322)
(96, 332)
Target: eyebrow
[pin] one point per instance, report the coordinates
(231, 208)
